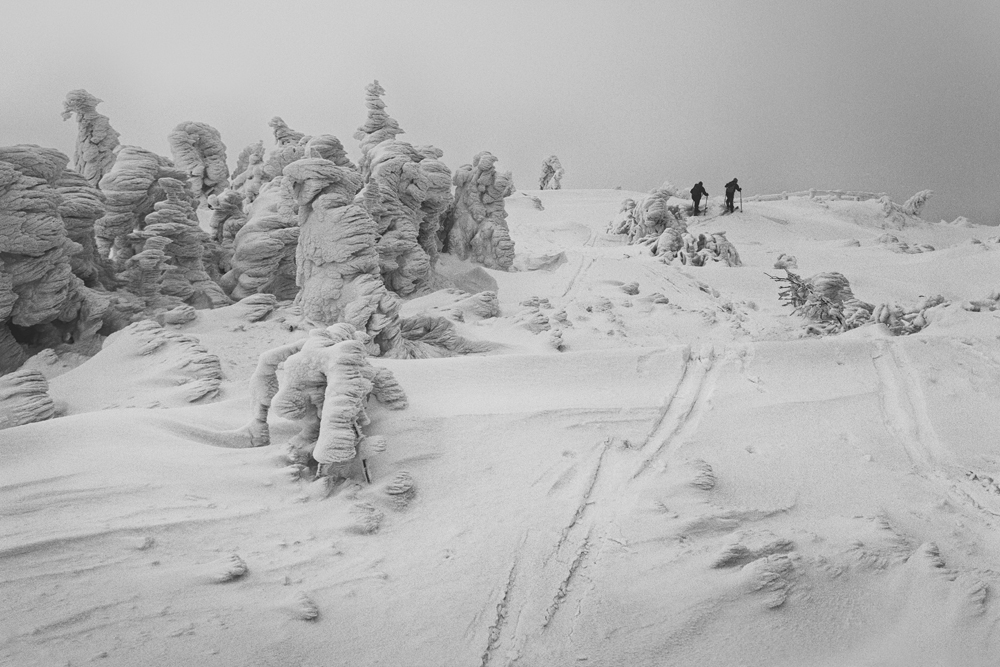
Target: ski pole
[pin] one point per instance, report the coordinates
(741, 201)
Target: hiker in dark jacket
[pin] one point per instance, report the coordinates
(731, 188)
(697, 192)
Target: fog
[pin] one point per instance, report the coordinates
(894, 96)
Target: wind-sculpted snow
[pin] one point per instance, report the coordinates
(263, 257)
(401, 182)
(96, 140)
(477, 227)
(143, 365)
(704, 248)
(552, 173)
(915, 204)
(899, 216)
(892, 242)
(624, 219)
(328, 147)
(437, 200)
(822, 195)
(284, 135)
(24, 399)
(326, 382)
(185, 277)
(786, 261)
(378, 128)
(227, 219)
(658, 223)
(82, 204)
(130, 190)
(142, 275)
(263, 167)
(338, 268)
(826, 299)
(907, 319)
(247, 174)
(337, 263)
(407, 190)
(652, 215)
(38, 290)
(198, 149)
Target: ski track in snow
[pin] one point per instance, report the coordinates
(585, 264)
(905, 414)
(540, 593)
(684, 408)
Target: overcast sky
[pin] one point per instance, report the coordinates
(881, 95)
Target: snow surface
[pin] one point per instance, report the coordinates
(686, 483)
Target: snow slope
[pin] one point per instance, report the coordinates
(687, 483)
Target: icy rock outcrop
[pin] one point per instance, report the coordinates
(552, 173)
(326, 383)
(379, 127)
(263, 257)
(82, 204)
(185, 277)
(96, 140)
(197, 148)
(24, 399)
(284, 135)
(477, 225)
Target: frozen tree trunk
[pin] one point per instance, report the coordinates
(552, 173)
(96, 140)
(379, 127)
(264, 248)
(326, 384)
(478, 228)
(338, 264)
(130, 189)
(227, 219)
(186, 277)
(82, 204)
(284, 135)
(197, 148)
(38, 292)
